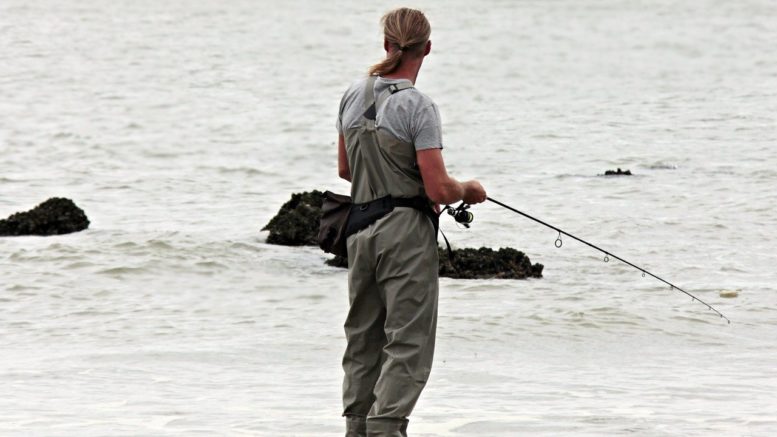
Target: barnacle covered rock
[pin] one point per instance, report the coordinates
(617, 172)
(296, 224)
(486, 263)
(483, 263)
(55, 216)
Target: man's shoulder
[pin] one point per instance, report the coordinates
(413, 97)
(419, 97)
(412, 102)
(356, 86)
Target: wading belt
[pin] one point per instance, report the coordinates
(364, 214)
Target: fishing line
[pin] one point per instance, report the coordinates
(607, 255)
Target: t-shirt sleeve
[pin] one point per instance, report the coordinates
(339, 123)
(426, 128)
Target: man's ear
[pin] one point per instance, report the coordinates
(428, 47)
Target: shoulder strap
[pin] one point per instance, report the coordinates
(369, 91)
(369, 98)
(392, 89)
(371, 104)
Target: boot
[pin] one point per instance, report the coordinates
(355, 426)
(387, 428)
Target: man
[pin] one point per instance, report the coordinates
(390, 148)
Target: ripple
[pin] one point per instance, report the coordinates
(660, 165)
(211, 265)
(121, 271)
(249, 171)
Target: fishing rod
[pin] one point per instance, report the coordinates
(465, 217)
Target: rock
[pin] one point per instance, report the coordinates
(55, 216)
(337, 261)
(485, 263)
(296, 224)
(617, 172)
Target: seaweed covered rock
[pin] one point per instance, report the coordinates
(485, 263)
(617, 172)
(55, 216)
(296, 224)
(337, 261)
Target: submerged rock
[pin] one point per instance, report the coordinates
(296, 224)
(617, 172)
(55, 216)
(337, 261)
(483, 263)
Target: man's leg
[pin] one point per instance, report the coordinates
(364, 332)
(407, 277)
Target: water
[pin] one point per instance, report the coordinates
(181, 127)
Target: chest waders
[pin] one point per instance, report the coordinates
(392, 282)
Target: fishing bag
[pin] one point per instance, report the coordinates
(335, 211)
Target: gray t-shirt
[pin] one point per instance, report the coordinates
(409, 115)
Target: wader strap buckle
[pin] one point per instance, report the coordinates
(396, 87)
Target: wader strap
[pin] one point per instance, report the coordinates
(392, 89)
(368, 153)
(371, 104)
(369, 99)
(450, 251)
(369, 92)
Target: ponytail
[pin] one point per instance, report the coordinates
(407, 31)
(386, 66)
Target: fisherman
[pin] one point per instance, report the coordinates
(389, 148)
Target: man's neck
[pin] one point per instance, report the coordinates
(408, 70)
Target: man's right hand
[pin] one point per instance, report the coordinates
(473, 192)
(441, 188)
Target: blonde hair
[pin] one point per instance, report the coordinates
(407, 30)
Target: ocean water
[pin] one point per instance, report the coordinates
(181, 127)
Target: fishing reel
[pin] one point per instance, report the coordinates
(461, 214)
